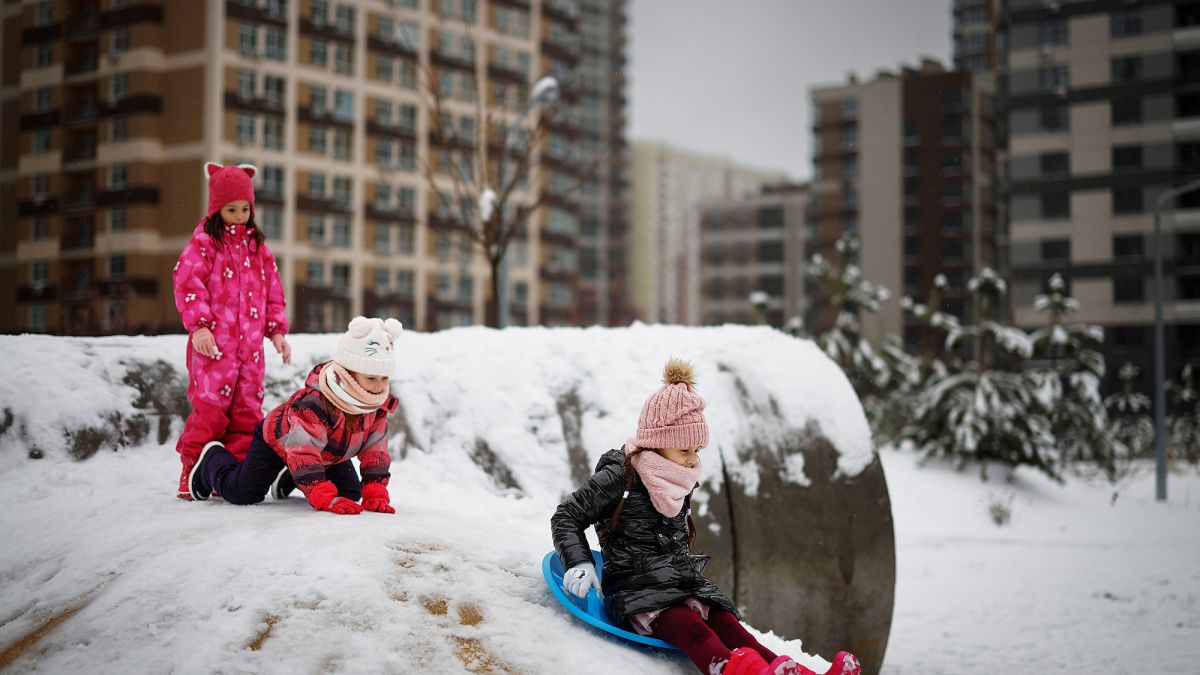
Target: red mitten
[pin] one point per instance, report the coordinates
(375, 497)
(324, 497)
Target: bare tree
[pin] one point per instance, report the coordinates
(490, 192)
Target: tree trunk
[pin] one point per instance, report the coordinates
(492, 308)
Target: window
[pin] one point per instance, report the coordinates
(383, 69)
(1056, 205)
(466, 289)
(1128, 288)
(276, 44)
(41, 186)
(850, 167)
(1126, 69)
(247, 83)
(272, 179)
(245, 128)
(318, 53)
(404, 282)
(345, 18)
(850, 137)
(1053, 32)
(247, 39)
(118, 176)
(341, 144)
(341, 231)
(316, 140)
(1128, 247)
(316, 185)
(45, 55)
(956, 221)
(120, 40)
(408, 156)
(316, 272)
(1056, 250)
(320, 12)
(405, 239)
(1054, 117)
(1052, 78)
(41, 141)
(1126, 158)
(342, 62)
(119, 86)
(39, 273)
(274, 90)
(408, 117)
(118, 219)
(383, 153)
(276, 8)
(120, 128)
(273, 133)
(408, 74)
(383, 276)
(343, 105)
(341, 190)
(1126, 111)
(1126, 22)
(316, 229)
(408, 199)
(43, 99)
(116, 267)
(317, 100)
(41, 228)
(44, 14)
(952, 249)
(1127, 199)
(1055, 165)
(272, 223)
(850, 108)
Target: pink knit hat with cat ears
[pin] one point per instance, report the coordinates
(673, 416)
(229, 184)
(367, 346)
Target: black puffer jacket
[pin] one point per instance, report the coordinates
(647, 565)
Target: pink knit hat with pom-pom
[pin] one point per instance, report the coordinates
(367, 346)
(673, 416)
(229, 184)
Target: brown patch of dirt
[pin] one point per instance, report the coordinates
(257, 643)
(28, 640)
(435, 606)
(476, 659)
(469, 615)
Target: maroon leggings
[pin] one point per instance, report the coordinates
(704, 642)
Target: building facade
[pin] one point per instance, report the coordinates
(906, 161)
(111, 107)
(751, 245)
(976, 46)
(669, 188)
(1103, 115)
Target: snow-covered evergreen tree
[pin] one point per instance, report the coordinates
(1068, 371)
(852, 295)
(979, 404)
(1131, 423)
(1184, 426)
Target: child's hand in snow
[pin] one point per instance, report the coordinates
(580, 578)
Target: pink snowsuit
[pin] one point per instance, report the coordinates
(233, 289)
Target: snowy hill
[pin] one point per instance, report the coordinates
(104, 570)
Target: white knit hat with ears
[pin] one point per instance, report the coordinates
(367, 346)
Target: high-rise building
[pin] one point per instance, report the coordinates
(669, 188)
(115, 106)
(905, 161)
(752, 245)
(975, 35)
(604, 216)
(1103, 116)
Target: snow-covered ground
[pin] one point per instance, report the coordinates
(102, 570)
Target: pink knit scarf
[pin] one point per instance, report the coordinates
(342, 390)
(667, 482)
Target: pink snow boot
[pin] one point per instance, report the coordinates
(786, 665)
(844, 663)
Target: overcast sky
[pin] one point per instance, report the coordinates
(731, 77)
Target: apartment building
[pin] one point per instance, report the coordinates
(669, 189)
(975, 35)
(1103, 114)
(750, 245)
(112, 106)
(905, 161)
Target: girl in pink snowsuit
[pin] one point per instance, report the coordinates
(228, 293)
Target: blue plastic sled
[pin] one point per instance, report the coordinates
(592, 609)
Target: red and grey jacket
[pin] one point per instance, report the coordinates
(310, 433)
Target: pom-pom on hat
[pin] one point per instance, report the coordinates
(229, 184)
(673, 416)
(367, 346)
